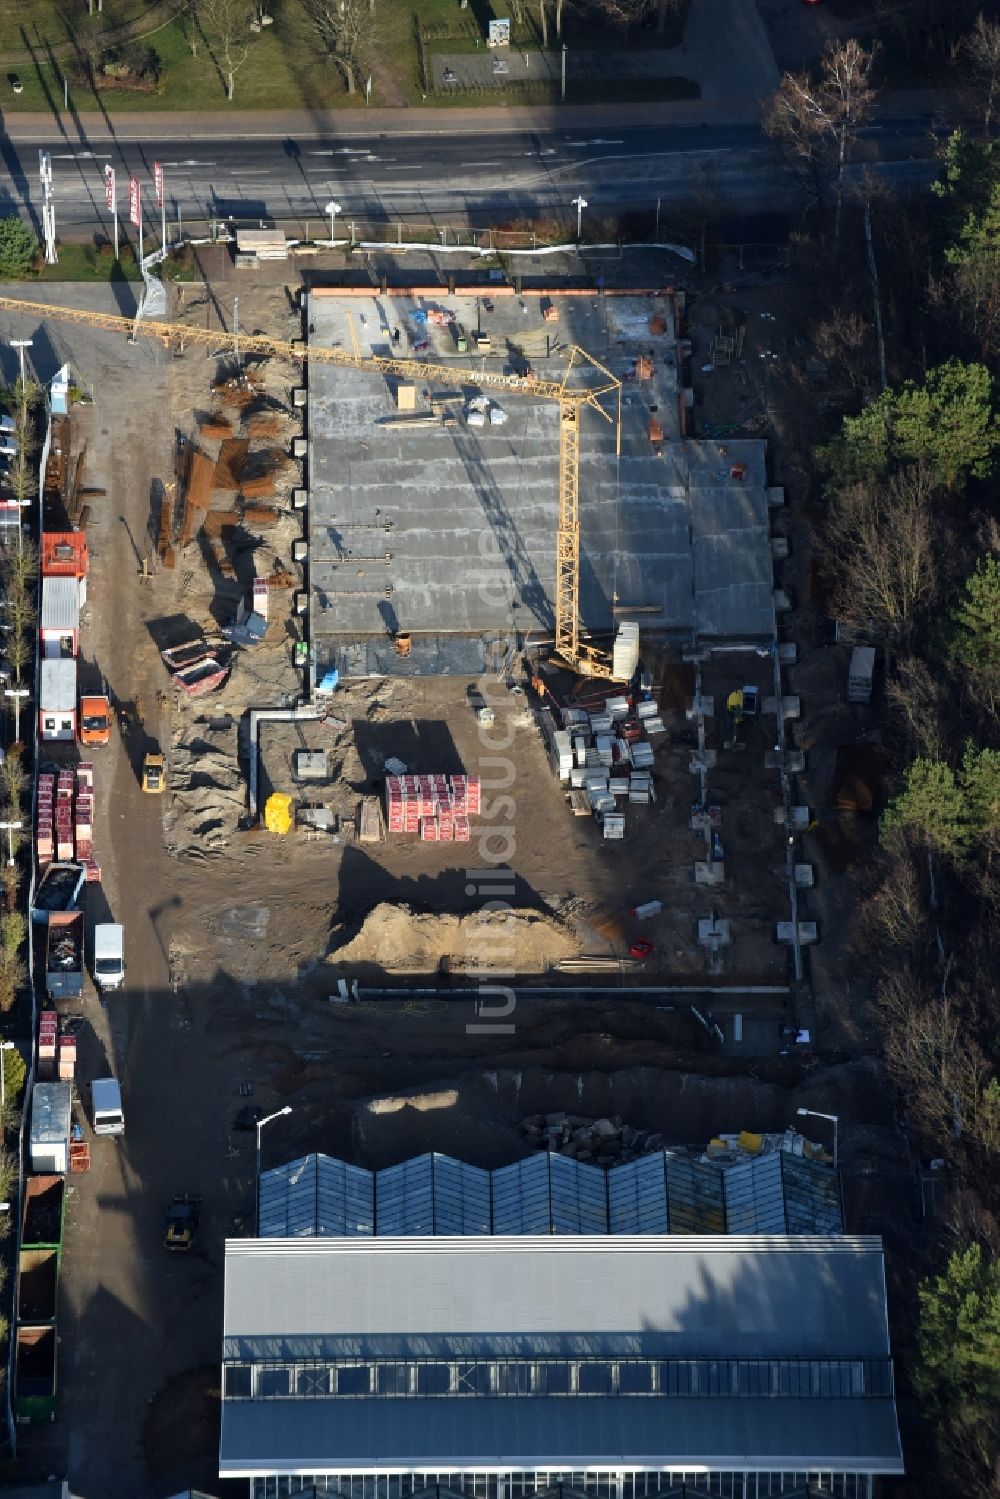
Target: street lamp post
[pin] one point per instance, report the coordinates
(17, 693)
(260, 1125)
(562, 92)
(10, 828)
(20, 344)
(579, 204)
(333, 209)
(834, 1119)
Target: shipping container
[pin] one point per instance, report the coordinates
(51, 1113)
(43, 1212)
(35, 1375)
(37, 1285)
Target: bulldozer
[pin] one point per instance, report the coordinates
(182, 1223)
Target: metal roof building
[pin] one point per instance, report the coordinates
(551, 1325)
(497, 1367)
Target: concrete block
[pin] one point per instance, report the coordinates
(788, 652)
(713, 931)
(300, 447)
(299, 397)
(310, 765)
(300, 499)
(775, 496)
(709, 872)
(779, 548)
(808, 933)
(700, 707)
(782, 601)
(702, 760)
(805, 876)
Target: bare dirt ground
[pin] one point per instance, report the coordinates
(226, 1006)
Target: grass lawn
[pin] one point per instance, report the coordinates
(284, 69)
(81, 263)
(611, 90)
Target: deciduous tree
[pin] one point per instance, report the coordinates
(625, 13)
(342, 27)
(981, 60)
(227, 25)
(880, 549)
(818, 119)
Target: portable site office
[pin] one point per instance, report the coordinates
(57, 699)
(60, 622)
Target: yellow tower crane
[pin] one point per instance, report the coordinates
(583, 658)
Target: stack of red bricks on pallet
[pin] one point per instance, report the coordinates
(67, 1058)
(44, 819)
(64, 818)
(64, 815)
(48, 1039)
(437, 807)
(83, 825)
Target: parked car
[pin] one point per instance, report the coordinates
(15, 83)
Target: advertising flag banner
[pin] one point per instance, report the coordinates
(134, 212)
(158, 183)
(109, 188)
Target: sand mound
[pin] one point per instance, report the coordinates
(398, 939)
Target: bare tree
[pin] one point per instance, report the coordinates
(343, 27)
(819, 119)
(664, 8)
(844, 342)
(625, 13)
(881, 547)
(980, 53)
(920, 706)
(227, 25)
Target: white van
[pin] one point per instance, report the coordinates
(106, 1097)
(109, 956)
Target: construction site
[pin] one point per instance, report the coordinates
(486, 824)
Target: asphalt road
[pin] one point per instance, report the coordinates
(418, 173)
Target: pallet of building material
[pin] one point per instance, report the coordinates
(239, 390)
(371, 828)
(280, 577)
(579, 803)
(220, 524)
(231, 463)
(198, 496)
(266, 424)
(216, 425)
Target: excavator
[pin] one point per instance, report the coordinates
(571, 647)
